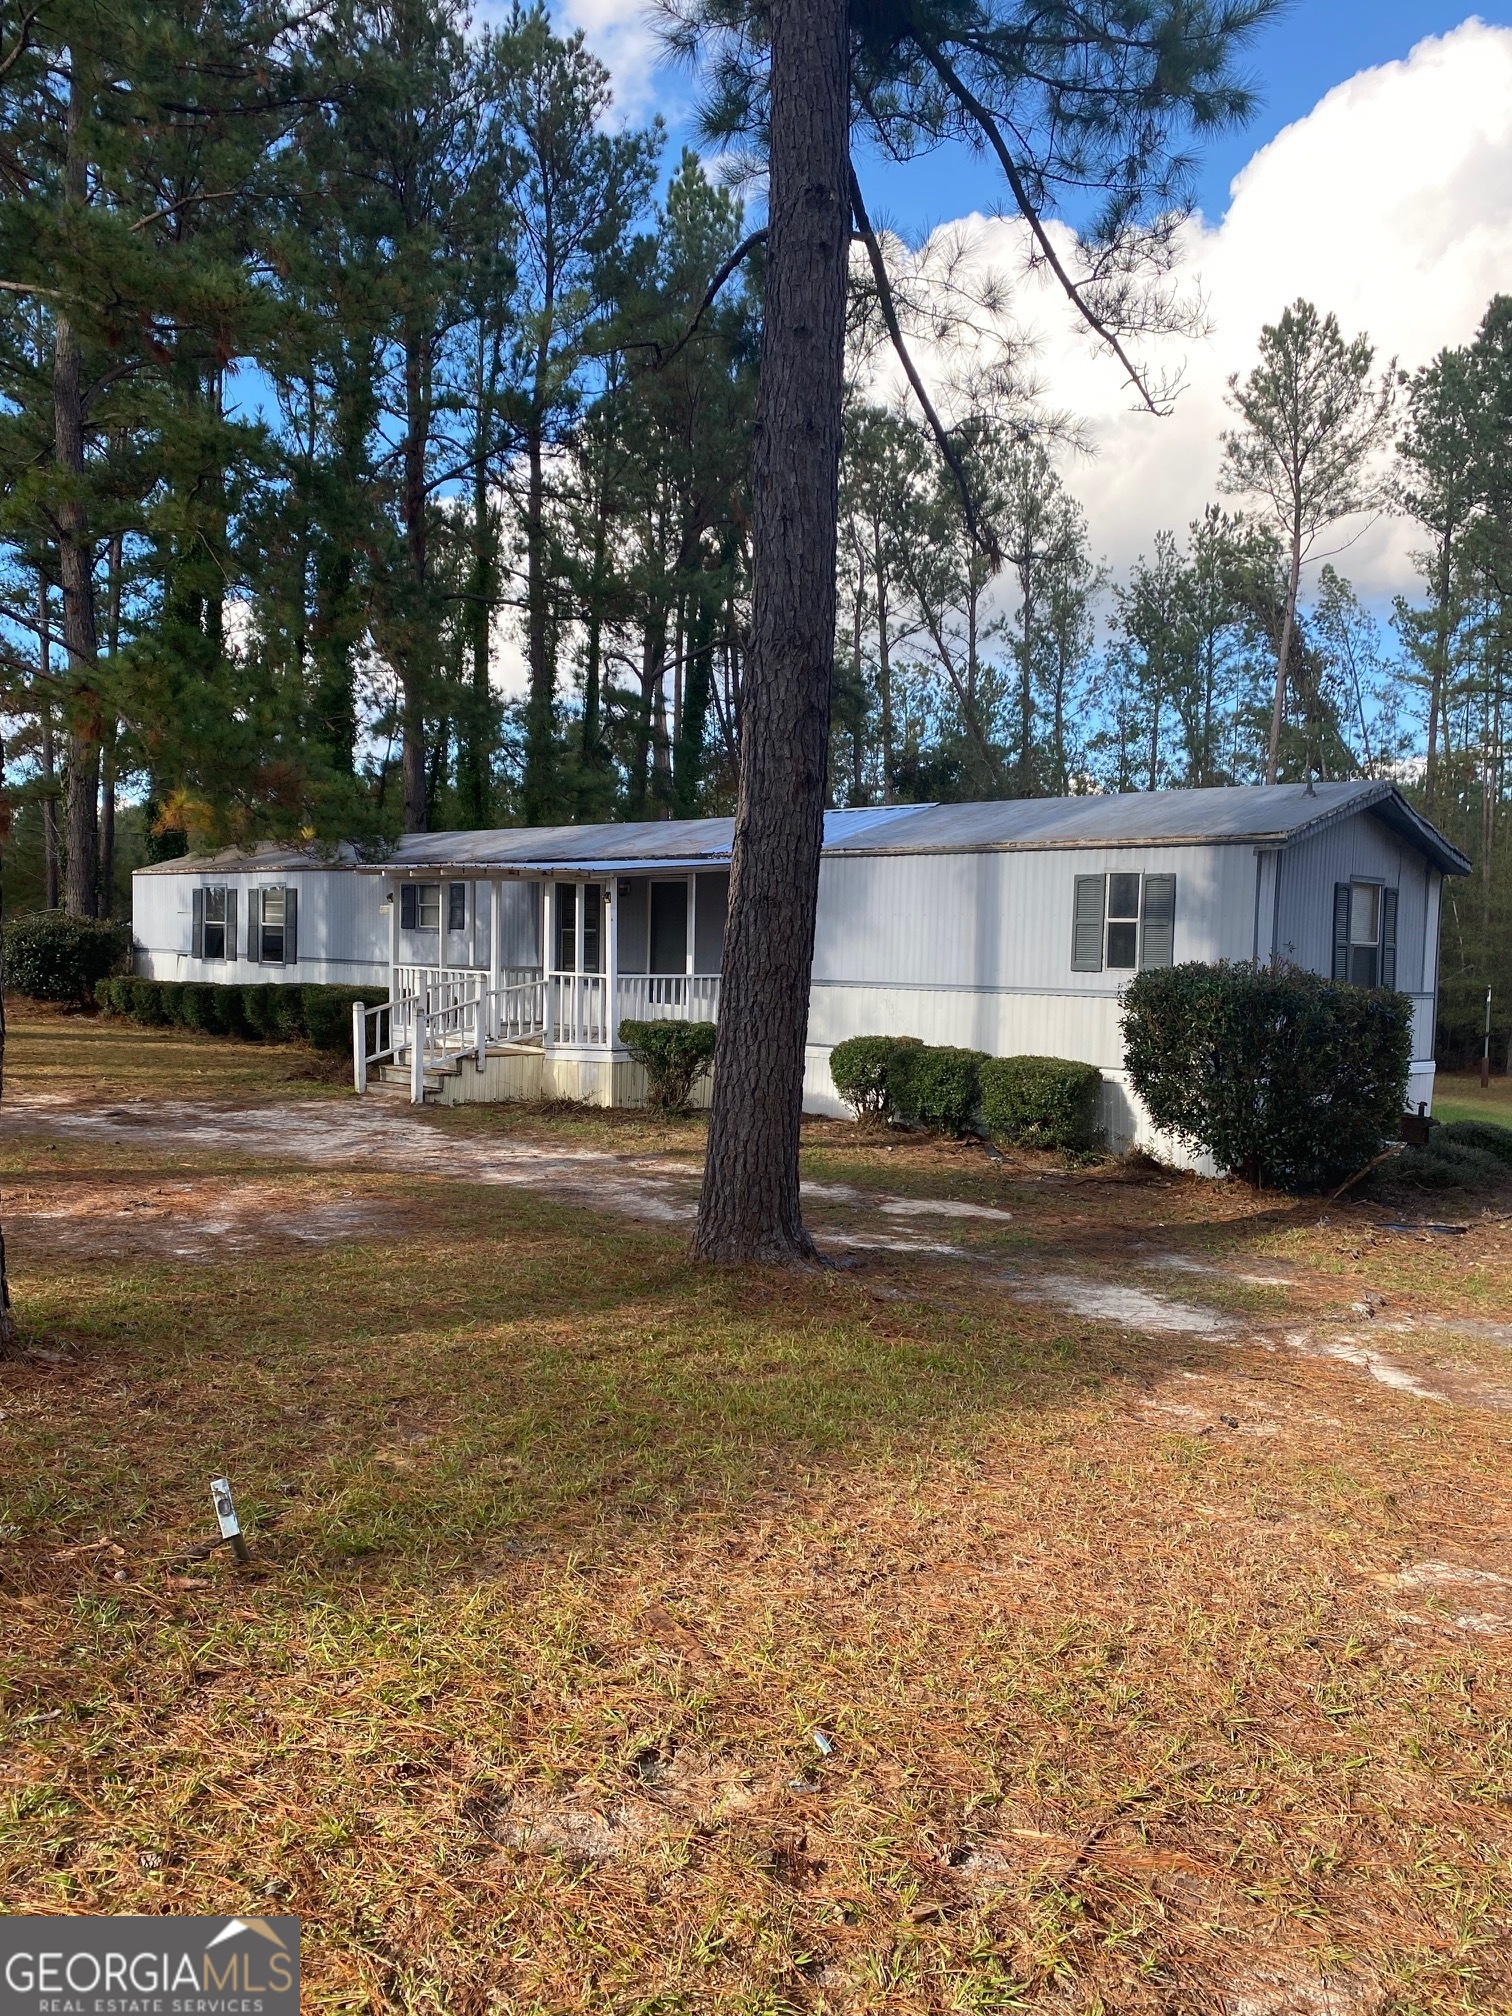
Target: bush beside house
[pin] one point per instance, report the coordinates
(1038, 1102)
(321, 1016)
(673, 1055)
(1281, 1076)
(50, 956)
(1041, 1102)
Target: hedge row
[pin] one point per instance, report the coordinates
(264, 1013)
(1034, 1102)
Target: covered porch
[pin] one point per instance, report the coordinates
(517, 984)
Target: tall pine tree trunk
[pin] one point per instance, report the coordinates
(76, 565)
(1283, 654)
(49, 752)
(7, 1317)
(749, 1209)
(540, 710)
(418, 641)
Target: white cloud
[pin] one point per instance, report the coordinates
(1390, 203)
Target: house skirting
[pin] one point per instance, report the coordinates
(587, 1078)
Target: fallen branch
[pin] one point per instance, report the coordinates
(1375, 1162)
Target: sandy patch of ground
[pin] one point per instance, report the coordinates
(190, 1220)
(1129, 1308)
(201, 1217)
(1461, 1597)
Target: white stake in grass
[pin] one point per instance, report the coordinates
(225, 1512)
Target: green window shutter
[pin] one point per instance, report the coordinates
(197, 924)
(1341, 931)
(409, 907)
(1388, 937)
(291, 925)
(1158, 945)
(254, 926)
(230, 924)
(1087, 924)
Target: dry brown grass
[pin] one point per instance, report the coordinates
(1159, 1671)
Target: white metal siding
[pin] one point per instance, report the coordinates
(1362, 849)
(342, 937)
(987, 922)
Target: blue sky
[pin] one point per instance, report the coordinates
(1292, 63)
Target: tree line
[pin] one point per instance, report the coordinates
(354, 365)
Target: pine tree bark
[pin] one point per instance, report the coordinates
(7, 1315)
(76, 568)
(418, 641)
(749, 1209)
(540, 781)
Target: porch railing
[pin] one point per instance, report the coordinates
(437, 1016)
(669, 997)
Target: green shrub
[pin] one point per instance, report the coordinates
(1281, 1076)
(935, 1085)
(1483, 1135)
(269, 1013)
(228, 1011)
(53, 957)
(859, 1067)
(146, 1003)
(261, 1011)
(195, 1001)
(673, 1055)
(1041, 1102)
(1442, 1165)
(328, 1013)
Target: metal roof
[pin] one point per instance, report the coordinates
(1275, 815)
(267, 857)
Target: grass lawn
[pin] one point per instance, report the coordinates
(1099, 1608)
(1457, 1095)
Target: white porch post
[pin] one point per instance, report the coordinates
(417, 1054)
(548, 961)
(577, 961)
(441, 950)
(689, 967)
(394, 915)
(495, 954)
(610, 916)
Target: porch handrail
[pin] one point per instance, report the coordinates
(440, 1023)
(668, 997)
(440, 1016)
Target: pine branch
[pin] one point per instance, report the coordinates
(981, 532)
(973, 105)
(711, 294)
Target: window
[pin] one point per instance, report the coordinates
(593, 927)
(273, 926)
(420, 906)
(1122, 921)
(214, 924)
(593, 918)
(456, 906)
(274, 904)
(1365, 934)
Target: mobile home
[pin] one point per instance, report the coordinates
(509, 959)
